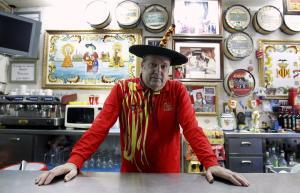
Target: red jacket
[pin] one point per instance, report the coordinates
(149, 128)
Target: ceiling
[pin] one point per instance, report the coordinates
(46, 3)
(41, 3)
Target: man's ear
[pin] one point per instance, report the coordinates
(142, 64)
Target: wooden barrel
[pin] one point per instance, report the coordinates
(236, 18)
(291, 24)
(97, 14)
(239, 83)
(267, 19)
(155, 18)
(238, 46)
(128, 14)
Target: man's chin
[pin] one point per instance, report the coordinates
(156, 87)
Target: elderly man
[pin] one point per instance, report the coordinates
(151, 109)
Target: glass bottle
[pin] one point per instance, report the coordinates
(282, 162)
(268, 162)
(280, 118)
(297, 129)
(293, 120)
(285, 120)
(292, 160)
(274, 158)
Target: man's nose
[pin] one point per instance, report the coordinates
(158, 69)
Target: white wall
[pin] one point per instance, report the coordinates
(70, 17)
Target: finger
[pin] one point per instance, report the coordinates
(37, 180)
(241, 179)
(209, 176)
(232, 179)
(55, 172)
(70, 175)
(42, 178)
(49, 177)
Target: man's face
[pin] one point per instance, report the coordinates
(155, 70)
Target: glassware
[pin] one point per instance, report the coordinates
(268, 163)
(92, 162)
(104, 163)
(110, 163)
(292, 160)
(282, 162)
(274, 158)
(86, 165)
(98, 161)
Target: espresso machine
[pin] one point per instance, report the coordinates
(31, 111)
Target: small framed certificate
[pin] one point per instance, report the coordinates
(23, 71)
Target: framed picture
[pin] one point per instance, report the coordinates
(291, 7)
(152, 40)
(89, 59)
(204, 97)
(279, 66)
(197, 17)
(35, 15)
(22, 71)
(205, 60)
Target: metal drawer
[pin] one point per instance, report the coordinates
(246, 164)
(244, 146)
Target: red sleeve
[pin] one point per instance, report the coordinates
(94, 136)
(191, 131)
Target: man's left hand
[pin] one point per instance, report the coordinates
(226, 174)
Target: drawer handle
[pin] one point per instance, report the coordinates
(246, 162)
(246, 143)
(15, 139)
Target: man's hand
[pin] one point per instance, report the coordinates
(226, 174)
(68, 168)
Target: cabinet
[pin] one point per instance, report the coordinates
(244, 154)
(53, 147)
(15, 147)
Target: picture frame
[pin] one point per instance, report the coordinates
(197, 17)
(205, 59)
(88, 59)
(35, 15)
(152, 40)
(291, 7)
(279, 67)
(204, 97)
(22, 71)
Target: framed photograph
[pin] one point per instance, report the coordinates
(22, 71)
(279, 66)
(205, 60)
(197, 17)
(35, 15)
(152, 40)
(291, 7)
(89, 59)
(204, 97)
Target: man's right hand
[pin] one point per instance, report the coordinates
(69, 169)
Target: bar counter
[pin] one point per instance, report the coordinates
(23, 182)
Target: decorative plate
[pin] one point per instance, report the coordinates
(239, 83)
(237, 18)
(238, 46)
(128, 14)
(155, 18)
(97, 14)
